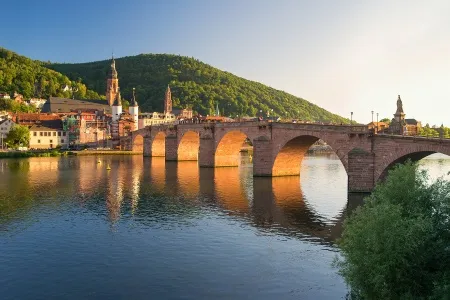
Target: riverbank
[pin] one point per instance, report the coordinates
(102, 152)
(56, 153)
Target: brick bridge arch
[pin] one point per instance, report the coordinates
(290, 142)
(228, 142)
(395, 150)
(136, 140)
(183, 142)
(188, 145)
(138, 143)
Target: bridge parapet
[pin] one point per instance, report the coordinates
(414, 138)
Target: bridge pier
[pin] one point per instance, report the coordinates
(171, 148)
(147, 146)
(262, 157)
(206, 152)
(360, 171)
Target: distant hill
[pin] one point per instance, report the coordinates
(193, 84)
(32, 79)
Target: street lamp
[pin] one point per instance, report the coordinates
(351, 118)
(377, 123)
(372, 117)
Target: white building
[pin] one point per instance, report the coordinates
(37, 102)
(48, 135)
(5, 127)
(155, 118)
(5, 96)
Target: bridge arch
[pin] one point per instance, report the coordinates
(401, 155)
(138, 143)
(188, 146)
(290, 154)
(159, 144)
(228, 149)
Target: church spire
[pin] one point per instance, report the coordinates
(133, 98)
(113, 71)
(217, 110)
(112, 83)
(168, 101)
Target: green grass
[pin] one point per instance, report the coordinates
(21, 154)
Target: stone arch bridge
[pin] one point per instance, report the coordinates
(278, 148)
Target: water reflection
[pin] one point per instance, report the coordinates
(311, 208)
(151, 187)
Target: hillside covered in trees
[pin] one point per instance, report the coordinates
(194, 84)
(32, 79)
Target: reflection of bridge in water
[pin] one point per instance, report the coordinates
(144, 187)
(270, 204)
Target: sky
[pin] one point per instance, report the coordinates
(345, 56)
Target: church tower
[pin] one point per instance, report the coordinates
(112, 84)
(134, 110)
(168, 101)
(117, 108)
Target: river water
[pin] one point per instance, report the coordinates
(150, 229)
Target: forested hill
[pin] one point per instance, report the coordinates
(193, 84)
(31, 79)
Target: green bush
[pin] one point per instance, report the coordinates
(396, 246)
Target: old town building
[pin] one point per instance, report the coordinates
(48, 135)
(5, 127)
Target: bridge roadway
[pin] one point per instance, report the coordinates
(278, 148)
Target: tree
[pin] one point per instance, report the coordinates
(386, 120)
(18, 136)
(396, 246)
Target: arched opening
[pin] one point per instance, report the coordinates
(138, 144)
(289, 158)
(189, 146)
(228, 150)
(415, 156)
(159, 145)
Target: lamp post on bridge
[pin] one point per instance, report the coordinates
(351, 118)
(377, 123)
(372, 121)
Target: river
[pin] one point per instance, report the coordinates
(150, 229)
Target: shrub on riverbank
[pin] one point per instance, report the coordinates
(396, 246)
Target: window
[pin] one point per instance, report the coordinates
(41, 133)
(39, 141)
(54, 133)
(62, 141)
(35, 133)
(49, 133)
(51, 141)
(64, 133)
(59, 133)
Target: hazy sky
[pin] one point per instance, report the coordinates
(341, 55)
